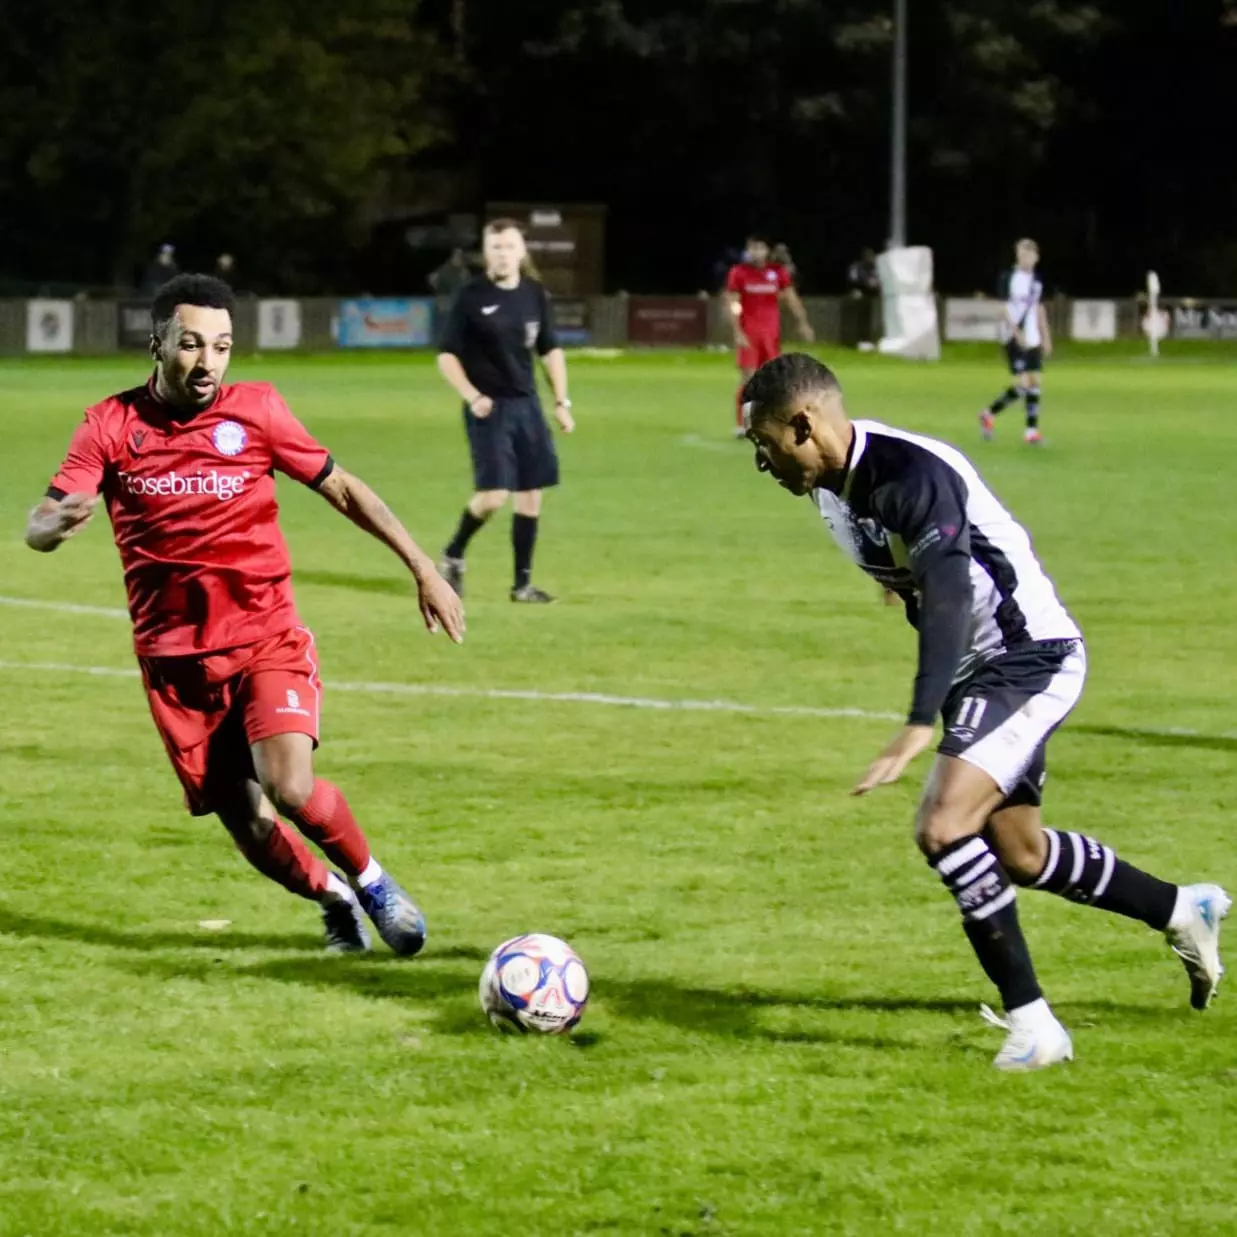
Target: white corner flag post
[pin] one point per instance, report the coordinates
(1153, 312)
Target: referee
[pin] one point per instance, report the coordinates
(486, 354)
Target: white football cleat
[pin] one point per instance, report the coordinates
(1194, 934)
(1035, 1040)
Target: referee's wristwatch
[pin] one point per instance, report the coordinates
(562, 403)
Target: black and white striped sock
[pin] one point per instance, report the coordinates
(1032, 394)
(981, 887)
(1004, 400)
(1087, 871)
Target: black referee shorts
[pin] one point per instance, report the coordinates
(1024, 360)
(512, 448)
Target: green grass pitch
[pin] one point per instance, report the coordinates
(783, 1037)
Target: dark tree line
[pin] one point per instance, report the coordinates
(282, 133)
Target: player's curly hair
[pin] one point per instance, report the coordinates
(768, 393)
(204, 290)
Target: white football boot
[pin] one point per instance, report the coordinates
(1035, 1040)
(1194, 934)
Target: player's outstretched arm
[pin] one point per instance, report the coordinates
(439, 604)
(794, 302)
(55, 520)
(735, 304)
(1045, 331)
(555, 363)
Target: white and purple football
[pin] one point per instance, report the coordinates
(534, 983)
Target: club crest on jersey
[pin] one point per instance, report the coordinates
(771, 275)
(874, 532)
(229, 438)
(531, 331)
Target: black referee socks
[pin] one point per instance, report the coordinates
(469, 524)
(523, 540)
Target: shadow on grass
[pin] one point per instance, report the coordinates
(445, 980)
(395, 585)
(148, 941)
(1155, 738)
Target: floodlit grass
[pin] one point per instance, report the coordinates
(783, 1037)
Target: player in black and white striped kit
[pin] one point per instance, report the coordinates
(1025, 337)
(1000, 660)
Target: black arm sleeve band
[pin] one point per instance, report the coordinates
(326, 470)
(56, 493)
(944, 622)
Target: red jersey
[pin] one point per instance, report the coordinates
(193, 511)
(759, 289)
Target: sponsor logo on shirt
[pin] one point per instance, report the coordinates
(294, 705)
(220, 485)
(489, 309)
(229, 438)
(531, 331)
(930, 537)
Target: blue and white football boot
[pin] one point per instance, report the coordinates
(396, 916)
(1194, 934)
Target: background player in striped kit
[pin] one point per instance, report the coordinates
(1003, 663)
(1027, 339)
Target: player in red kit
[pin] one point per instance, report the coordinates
(755, 289)
(185, 467)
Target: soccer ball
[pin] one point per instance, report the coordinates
(534, 983)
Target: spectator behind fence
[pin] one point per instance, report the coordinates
(731, 256)
(861, 316)
(780, 256)
(451, 276)
(159, 269)
(862, 278)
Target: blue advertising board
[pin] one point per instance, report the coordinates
(386, 322)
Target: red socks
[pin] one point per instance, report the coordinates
(327, 821)
(284, 858)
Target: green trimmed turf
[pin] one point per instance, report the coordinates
(783, 1038)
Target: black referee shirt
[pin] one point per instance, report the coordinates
(494, 331)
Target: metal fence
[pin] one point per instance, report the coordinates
(99, 327)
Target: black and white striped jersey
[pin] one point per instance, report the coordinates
(1023, 291)
(917, 517)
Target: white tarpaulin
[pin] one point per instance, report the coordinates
(49, 326)
(911, 328)
(279, 325)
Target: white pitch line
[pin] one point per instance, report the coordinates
(530, 694)
(498, 693)
(64, 607)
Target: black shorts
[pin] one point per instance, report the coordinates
(1024, 360)
(512, 448)
(1001, 717)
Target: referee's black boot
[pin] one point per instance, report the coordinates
(452, 570)
(531, 595)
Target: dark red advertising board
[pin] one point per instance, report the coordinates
(680, 321)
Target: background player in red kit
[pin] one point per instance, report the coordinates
(756, 289)
(185, 466)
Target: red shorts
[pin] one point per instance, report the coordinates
(209, 709)
(762, 346)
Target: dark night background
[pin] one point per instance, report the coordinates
(306, 140)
